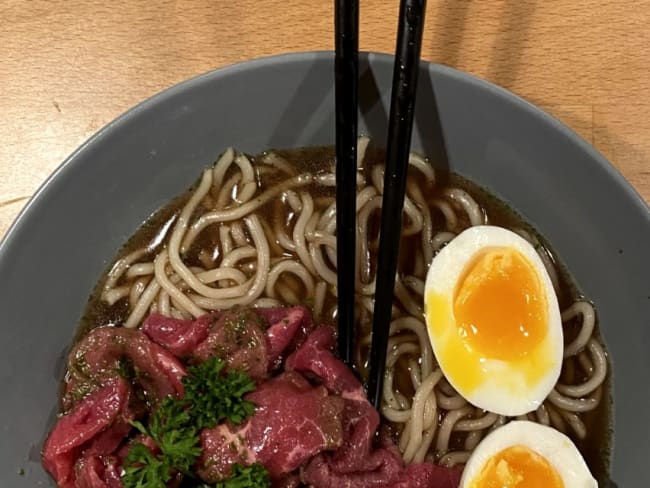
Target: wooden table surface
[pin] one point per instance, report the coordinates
(67, 67)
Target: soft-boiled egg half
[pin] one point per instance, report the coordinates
(525, 454)
(494, 320)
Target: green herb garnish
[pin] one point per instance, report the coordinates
(215, 396)
(210, 397)
(144, 470)
(253, 476)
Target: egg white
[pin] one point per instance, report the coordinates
(504, 387)
(549, 443)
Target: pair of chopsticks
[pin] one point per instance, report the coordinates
(400, 125)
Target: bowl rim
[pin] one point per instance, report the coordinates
(75, 161)
(70, 162)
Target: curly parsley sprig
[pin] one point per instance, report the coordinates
(211, 395)
(215, 396)
(252, 476)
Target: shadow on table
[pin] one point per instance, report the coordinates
(509, 46)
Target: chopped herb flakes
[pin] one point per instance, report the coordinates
(211, 395)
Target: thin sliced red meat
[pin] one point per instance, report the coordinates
(384, 469)
(98, 357)
(322, 435)
(305, 420)
(321, 474)
(275, 315)
(315, 356)
(222, 447)
(180, 337)
(282, 330)
(357, 463)
(293, 422)
(360, 421)
(88, 419)
(109, 440)
(95, 472)
(291, 481)
(428, 475)
(237, 336)
(234, 335)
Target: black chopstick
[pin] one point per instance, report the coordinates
(400, 125)
(346, 67)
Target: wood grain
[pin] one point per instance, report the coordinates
(67, 67)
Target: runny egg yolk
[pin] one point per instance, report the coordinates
(517, 467)
(500, 305)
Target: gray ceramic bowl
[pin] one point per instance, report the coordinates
(69, 231)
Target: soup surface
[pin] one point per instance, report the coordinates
(260, 231)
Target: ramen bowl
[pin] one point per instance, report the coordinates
(68, 233)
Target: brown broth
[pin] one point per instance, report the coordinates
(595, 448)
